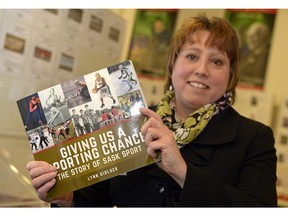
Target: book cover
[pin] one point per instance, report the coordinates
(88, 127)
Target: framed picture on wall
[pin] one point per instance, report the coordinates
(255, 30)
(153, 30)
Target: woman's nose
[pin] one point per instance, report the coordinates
(201, 69)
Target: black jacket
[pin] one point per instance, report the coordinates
(231, 163)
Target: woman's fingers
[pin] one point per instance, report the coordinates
(43, 176)
(38, 168)
(42, 191)
(149, 113)
(40, 180)
(153, 120)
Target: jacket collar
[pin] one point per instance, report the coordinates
(221, 129)
(225, 123)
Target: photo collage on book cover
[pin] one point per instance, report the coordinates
(80, 106)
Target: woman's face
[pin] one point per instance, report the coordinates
(200, 75)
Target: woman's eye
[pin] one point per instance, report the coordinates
(217, 62)
(191, 57)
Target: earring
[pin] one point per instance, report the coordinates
(171, 88)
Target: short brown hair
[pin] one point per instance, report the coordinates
(222, 36)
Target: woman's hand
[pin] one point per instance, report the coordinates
(43, 177)
(158, 137)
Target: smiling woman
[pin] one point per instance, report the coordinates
(210, 154)
(203, 72)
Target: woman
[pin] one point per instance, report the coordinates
(211, 156)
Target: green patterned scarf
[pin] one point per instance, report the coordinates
(185, 132)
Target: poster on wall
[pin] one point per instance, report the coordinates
(114, 36)
(255, 30)
(94, 28)
(41, 57)
(73, 27)
(281, 132)
(26, 16)
(13, 47)
(151, 37)
(281, 144)
(66, 62)
(254, 104)
(49, 20)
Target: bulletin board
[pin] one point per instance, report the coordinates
(281, 144)
(43, 47)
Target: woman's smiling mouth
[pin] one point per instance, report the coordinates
(198, 85)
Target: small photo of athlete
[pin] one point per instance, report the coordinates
(127, 77)
(102, 89)
(39, 139)
(31, 112)
(54, 105)
(76, 92)
(124, 78)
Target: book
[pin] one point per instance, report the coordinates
(88, 127)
